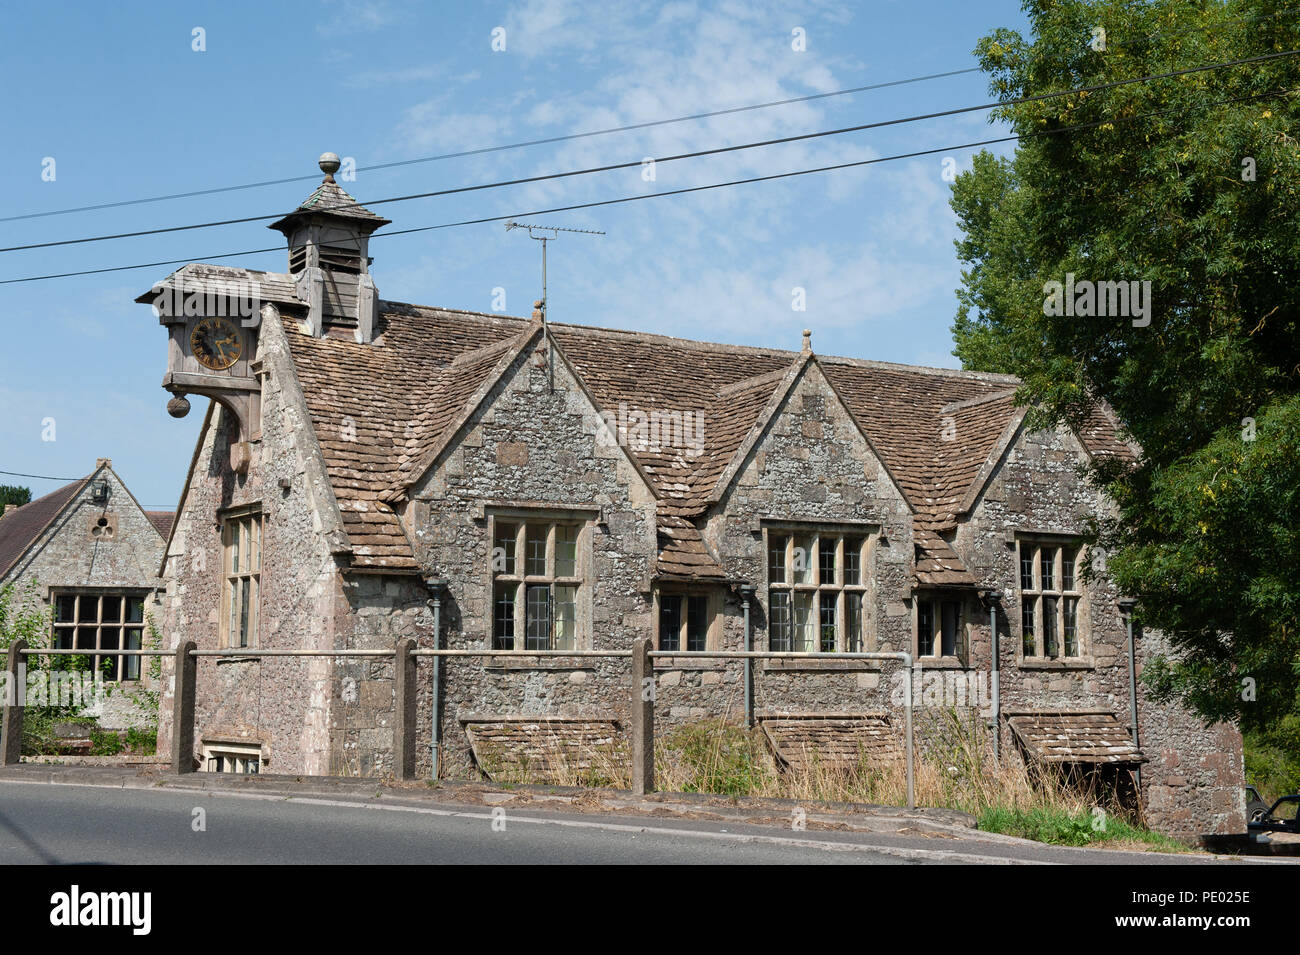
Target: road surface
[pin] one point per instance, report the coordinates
(72, 824)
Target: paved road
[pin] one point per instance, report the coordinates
(73, 824)
(88, 825)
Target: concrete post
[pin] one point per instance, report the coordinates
(643, 719)
(1126, 607)
(184, 672)
(404, 710)
(11, 741)
(436, 587)
(746, 597)
(995, 673)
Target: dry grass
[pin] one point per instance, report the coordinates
(955, 770)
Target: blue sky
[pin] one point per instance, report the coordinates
(118, 98)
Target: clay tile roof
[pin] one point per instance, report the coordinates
(937, 564)
(382, 410)
(162, 520)
(831, 741)
(683, 554)
(333, 198)
(20, 526)
(1074, 736)
(368, 404)
(901, 410)
(550, 749)
(1102, 436)
(228, 281)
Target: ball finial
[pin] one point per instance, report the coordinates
(178, 406)
(329, 164)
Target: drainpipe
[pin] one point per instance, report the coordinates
(1126, 605)
(993, 596)
(436, 586)
(747, 594)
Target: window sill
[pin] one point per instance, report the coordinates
(942, 663)
(240, 657)
(685, 662)
(527, 661)
(1043, 663)
(842, 665)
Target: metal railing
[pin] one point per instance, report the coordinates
(643, 686)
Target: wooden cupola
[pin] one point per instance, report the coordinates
(329, 258)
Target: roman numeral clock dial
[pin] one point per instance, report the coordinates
(215, 342)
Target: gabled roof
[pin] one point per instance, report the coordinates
(384, 411)
(162, 520)
(225, 281)
(21, 526)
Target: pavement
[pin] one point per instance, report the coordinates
(144, 814)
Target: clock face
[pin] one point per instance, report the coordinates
(215, 343)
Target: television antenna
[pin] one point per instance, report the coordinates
(555, 231)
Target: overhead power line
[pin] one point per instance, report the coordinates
(691, 189)
(1039, 97)
(42, 477)
(630, 127)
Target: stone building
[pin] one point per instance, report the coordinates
(92, 554)
(564, 487)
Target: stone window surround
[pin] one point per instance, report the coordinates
(716, 613)
(1036, 539)
(122, 624)
(214, 749)
(939, 595)
(870, 533)
(585, 518)
(225, 518)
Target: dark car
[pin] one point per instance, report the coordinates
(1282, 816)
(1256, 808)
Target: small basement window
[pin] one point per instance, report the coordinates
(224, 758)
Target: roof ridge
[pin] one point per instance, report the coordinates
(978, 400)
(702, 345)
(754, 381)
(475, 354)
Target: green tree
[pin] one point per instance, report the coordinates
(17, 496)
(1188, 182)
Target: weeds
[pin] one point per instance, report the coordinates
(955, 769)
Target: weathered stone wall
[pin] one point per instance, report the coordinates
(814, 466)
(535, 446)
(1038, 488)
(535, 440)
(67, 557)
(283, 704)
(374, 612)
(1194, 779)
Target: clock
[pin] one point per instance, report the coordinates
(215, 343)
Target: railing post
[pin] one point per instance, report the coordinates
(436, 587)
(11, 740)
(404, 710)
(185, 668)
(643, 719)
(746, 597)
(908, 664)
